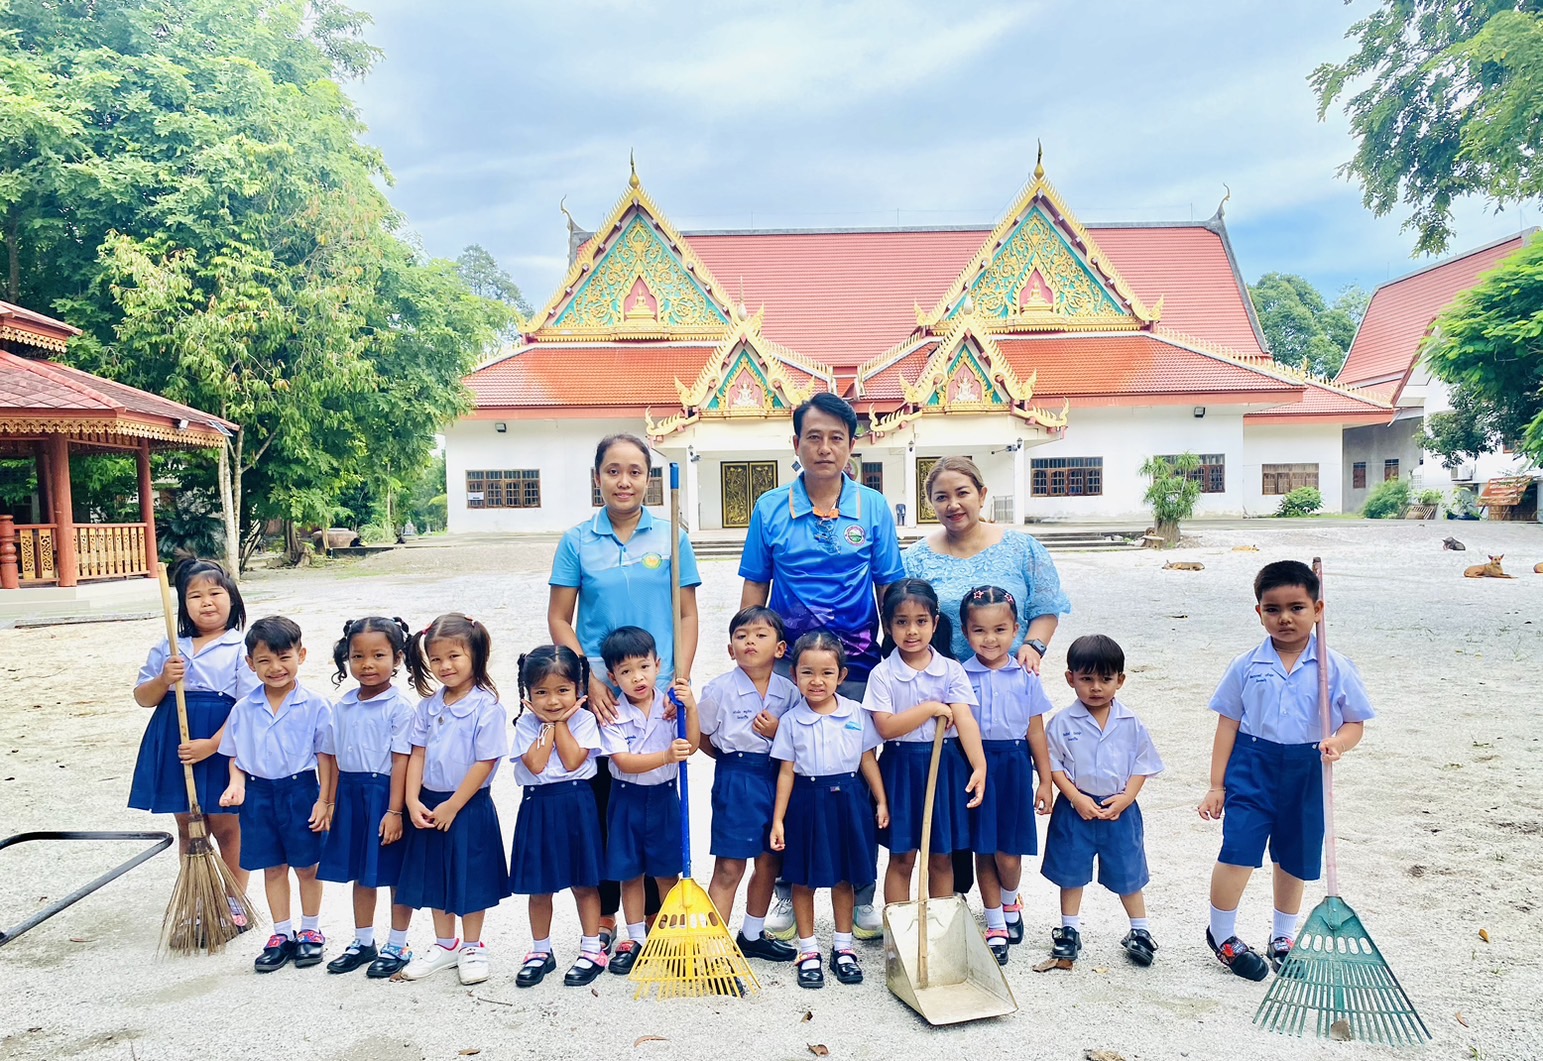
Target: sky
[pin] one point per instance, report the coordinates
(792, 114)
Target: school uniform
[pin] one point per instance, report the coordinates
(217, 676)
(1100, 763)
(461, 870)
(277, 752)
(1274, 776)
(744, 774)
(643, 818)
(894, 687)
(557, 839)
(1009, 698)
(828, 831)
(365, 736)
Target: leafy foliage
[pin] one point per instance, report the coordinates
(1303, 329)
(486, 279)
(190, 527)
(1388, 500)
(1303, 501)
(1173, 491)
(1452, 106)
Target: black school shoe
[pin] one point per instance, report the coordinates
(998, 941)
(356, 955)
(1280, 950)
(310, 945)
(278, 953)
(765, 948)
(625, 958)
(809, 972)
(844, 964)
(1065, 943)
(1235, 955)
(585, 970)
(392, 960)
(537, 964)
(1014, 928)
(1139, 946)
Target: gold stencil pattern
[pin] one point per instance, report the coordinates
(602, 304)
(1036, 246)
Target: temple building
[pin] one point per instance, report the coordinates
(1058, 355)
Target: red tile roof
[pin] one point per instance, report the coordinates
(589, 374)
(1331, 402)
(1402, 311)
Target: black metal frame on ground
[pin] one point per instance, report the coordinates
(162, 842)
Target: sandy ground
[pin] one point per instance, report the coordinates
(1440, 817)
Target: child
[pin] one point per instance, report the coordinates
(1100, 756)
(1011, 715)
(823, 822)
(212, 667)
(276, 736)
(740, 712)
(557, 840)
(1266, 773)
(454, 859)
(911, 687)
(368, 737)
(643, 819)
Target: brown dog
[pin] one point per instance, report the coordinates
(1183, 565)
(1537, 569)
(1489, 570)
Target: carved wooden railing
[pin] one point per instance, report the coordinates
(111, 550)
(35, 553)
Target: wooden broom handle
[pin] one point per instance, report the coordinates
(169, 611)
(1331, 861)
(924, 852)
(675, 653)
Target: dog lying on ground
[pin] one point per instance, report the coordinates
(1489, 570)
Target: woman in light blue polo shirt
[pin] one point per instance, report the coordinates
(614, 570)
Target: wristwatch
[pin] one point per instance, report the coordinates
(1037, 645)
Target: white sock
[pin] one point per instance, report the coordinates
(1285, 925)
(1071, 921)
(449, 944)
(365, 936)
(397, 938)
(1224, 925)
(842, 941)
(310, 924)
(753, 927)
(637, 932)
(589, 945)
(542, 946)
(1010, 898)
(995, 918)
(284, 928)
(1141, 923)
(474, 944)
(807, 945)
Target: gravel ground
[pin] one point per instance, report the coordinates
(1440, 818)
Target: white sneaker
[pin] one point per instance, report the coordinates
(780, 923)
(867, 922)
(432, 961)
(474, 964)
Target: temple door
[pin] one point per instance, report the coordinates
(743, 482)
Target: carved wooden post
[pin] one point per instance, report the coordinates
(10, 577)
(147, 506)
(66, 561)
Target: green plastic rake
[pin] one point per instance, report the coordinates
(1335, 981)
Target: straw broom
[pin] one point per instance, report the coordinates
(206, 899)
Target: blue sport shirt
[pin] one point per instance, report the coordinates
(823, 571)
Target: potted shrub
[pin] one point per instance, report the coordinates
(1425, 506)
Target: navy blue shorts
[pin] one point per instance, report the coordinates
(158, 785)
(557, 842)
(354, 853)
(274, 817)
(904, 766)
(642, 832)
(1274, 797)
(460, 871)
(744, 795)
(1004, 821)
(829, 833)
(1072, 843)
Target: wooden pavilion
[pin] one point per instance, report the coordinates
(49, 411)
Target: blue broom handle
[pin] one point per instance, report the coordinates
(680, 709)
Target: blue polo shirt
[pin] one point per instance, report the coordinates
(823, 571)
(623, 584)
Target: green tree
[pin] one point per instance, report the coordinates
(1488, 347)
(1452, 105)
(1172, 493)
(1301, 328)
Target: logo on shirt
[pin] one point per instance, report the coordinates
(853, 535)
(653, 561)
(854, 726)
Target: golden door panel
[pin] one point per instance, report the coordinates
(735, 481)
(924, 512)
(763, 477)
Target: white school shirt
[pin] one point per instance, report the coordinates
(820, 745)
(218, 667)
(272, 745)
(641, 734)
(1272, 705)
(1101, 762)
(1008, 698)
(585, 730)
(366, 733)
(730, 703)
(894, 687)
(454, 738)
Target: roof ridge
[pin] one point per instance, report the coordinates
(1524, 235)
(895, 354)
(1269, 366)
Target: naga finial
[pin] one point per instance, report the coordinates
(1039, 162)
(632, 159)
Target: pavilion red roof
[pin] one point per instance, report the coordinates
(30, 328)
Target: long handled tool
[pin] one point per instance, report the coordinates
(935, 959)
(690, 952)
(1335, 978)
(206, 901)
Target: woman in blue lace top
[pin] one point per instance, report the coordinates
(967, 552)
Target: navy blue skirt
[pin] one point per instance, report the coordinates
(828, 833)
(158, 785)
(275, 817)
(557, 841)
(354, 853)
(643, 832)
(1004, 821)
(904, 767)
(461, 871)
(744, 796)
(1071, 844)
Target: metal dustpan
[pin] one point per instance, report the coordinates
(935, 959)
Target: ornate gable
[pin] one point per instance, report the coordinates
(1040, 270)
(636, 278)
